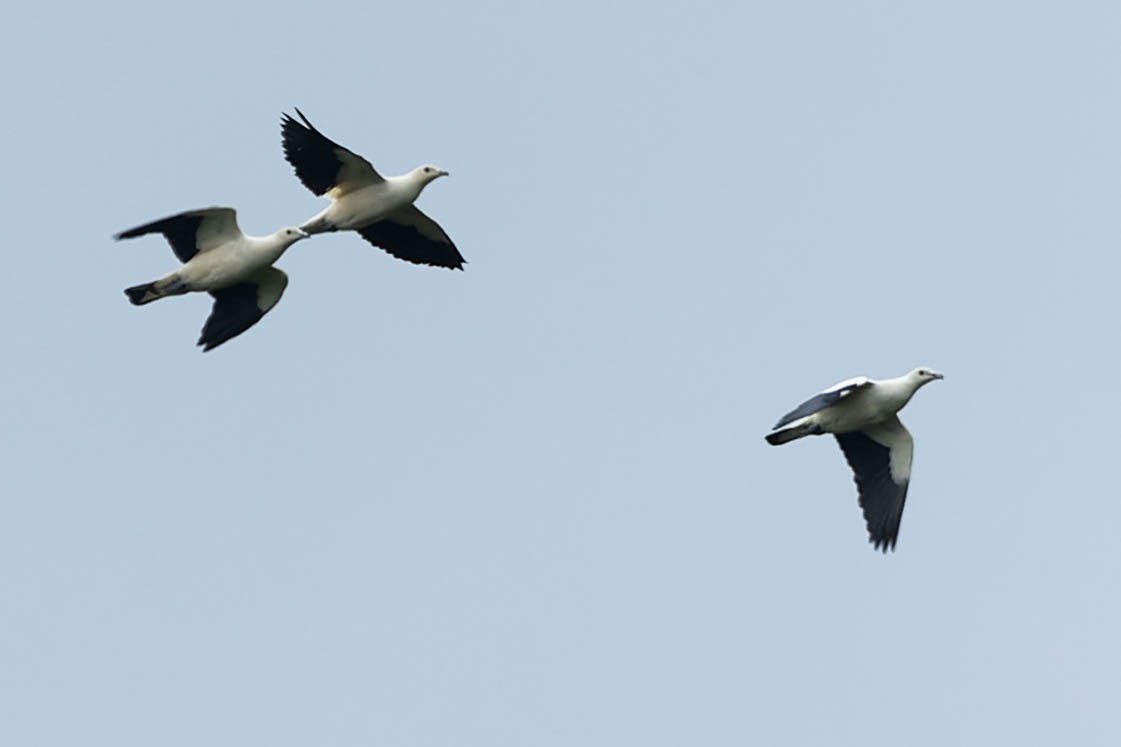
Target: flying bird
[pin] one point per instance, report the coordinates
(221, 260)
(861, 415)
(380, 208)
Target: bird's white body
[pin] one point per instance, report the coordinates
(358, 206)
(233, 261)
(873, 403)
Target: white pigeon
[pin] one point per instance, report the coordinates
(379, 208)
(861, 414)
(221, 260)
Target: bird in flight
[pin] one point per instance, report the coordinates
(861, 415)
(220, 260)
(380, 208)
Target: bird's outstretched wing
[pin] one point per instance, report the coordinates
(193, 231)
(321, 164)
(820, 401)
(409, 234)
(880, 457)
(240, 306)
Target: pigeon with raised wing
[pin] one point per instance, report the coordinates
(861, 414)
(379, 208)
(221, 260)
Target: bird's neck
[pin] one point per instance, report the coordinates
(270, 248)
(899, 391)
(408, 186)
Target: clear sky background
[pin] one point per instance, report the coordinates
(530, 503)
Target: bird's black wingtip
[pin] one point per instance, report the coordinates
(307, 121)
(882, 544)
(131, 233)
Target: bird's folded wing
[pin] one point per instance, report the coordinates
(321, 164)
(411, 235)
(240, 306)
(880, 458)
(193, 231)
(823, 400)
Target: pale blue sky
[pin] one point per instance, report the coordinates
(530, 503)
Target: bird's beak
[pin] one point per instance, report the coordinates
(937, 375)
(443, 173)
(302, 233)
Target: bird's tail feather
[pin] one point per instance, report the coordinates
(318, 224)
(148, 292)
(792, 433)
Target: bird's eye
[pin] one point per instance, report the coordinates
(427, 170)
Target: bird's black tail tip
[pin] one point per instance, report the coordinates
(786, 435)
(142, 294)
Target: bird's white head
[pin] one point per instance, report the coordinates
(289, 236)
(924, 375)
(427, 173)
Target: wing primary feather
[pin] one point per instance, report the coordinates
(881, 498)
(311, 153)
(405, 241)
(181, 232)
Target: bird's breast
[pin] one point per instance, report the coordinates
(365, 206)
(220, 268)
(852, 413)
